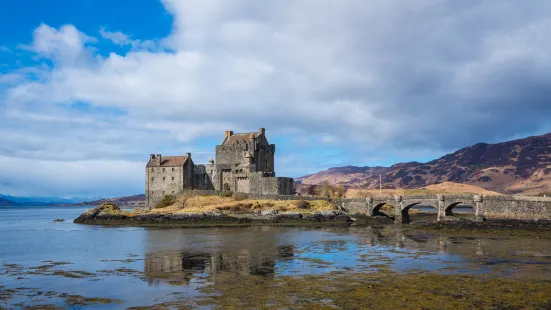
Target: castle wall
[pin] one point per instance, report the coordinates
(213, 171)
(258, 184)
(188, 174)
(162, 181)
(201, 179)
(264, 157)
(232, 154)
(284, 186)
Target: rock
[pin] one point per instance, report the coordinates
(290, 215)
(269, 212)
(332, 212)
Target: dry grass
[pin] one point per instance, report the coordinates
(449, 188)
(228, 204)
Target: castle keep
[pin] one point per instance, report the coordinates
(244, 163)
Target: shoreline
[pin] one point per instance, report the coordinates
(107, 216)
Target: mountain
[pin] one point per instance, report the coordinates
(42, 200)
(6, 202)
(122, 201)
(521, 166)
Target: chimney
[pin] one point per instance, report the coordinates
(160, 159)
(229, 133)
(188, 155)
(151, 156)
(262, 131)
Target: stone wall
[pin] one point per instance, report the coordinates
(264, 157)
(521, 208)
(232, 154)
(162, 181)
(284, 186)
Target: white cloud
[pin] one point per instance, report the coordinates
(122, 39)
(376, 77)
(65, 44)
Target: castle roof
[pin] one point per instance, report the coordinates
(168, 161)
(240, 137)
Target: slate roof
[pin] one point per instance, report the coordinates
(240, 137)
(168, 161)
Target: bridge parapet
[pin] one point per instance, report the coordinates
(495, 207)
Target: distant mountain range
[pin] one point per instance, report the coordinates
(6, 202)
(41, 200)
(521, 166)
(135, 200)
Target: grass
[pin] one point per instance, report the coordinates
(230, 204)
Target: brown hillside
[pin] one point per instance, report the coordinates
(521, 166)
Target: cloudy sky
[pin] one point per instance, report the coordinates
(89, 88)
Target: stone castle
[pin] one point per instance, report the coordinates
(244, 163)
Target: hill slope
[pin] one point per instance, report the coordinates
(122, 201)
(513, 167)
(6, 202)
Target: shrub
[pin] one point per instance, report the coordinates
(236, 208)
(109, 207)
(327, 190)
(239, 196)
(339, 190)
(303, 204)
(226, 194)
(166, 201)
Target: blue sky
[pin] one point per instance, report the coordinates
(89, 88)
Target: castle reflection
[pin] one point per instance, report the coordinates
(228, 251)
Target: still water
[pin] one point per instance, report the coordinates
(43, 262)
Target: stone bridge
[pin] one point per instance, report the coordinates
(485, 207)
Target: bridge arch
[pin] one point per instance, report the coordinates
(377, 209)
(405, 211)
(468, 205)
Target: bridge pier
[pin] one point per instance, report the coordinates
(441, 207)
(478, 208)
(370, 205)
(401, 217)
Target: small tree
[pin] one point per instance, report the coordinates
(325, 190)
(303, 204)
(339, 190)
(183, 200)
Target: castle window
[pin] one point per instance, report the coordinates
(172, 192)
(163, 192)
(172, 169)
(163, 169)
(172, 178)
(164, 178)
(152, 178)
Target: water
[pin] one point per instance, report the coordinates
(41, 260)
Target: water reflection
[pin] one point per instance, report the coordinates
(187, 254)
(206, 254)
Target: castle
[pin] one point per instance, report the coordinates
(244, 163)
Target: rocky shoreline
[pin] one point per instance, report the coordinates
(114, 216)
(110, 214)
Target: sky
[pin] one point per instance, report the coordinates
(89, 88)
